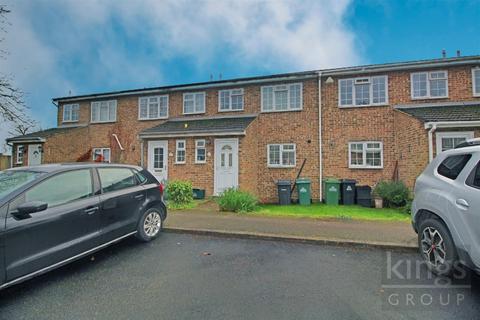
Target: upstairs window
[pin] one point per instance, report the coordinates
(363, 91)
(70, 112)
(282, 97)
(200, 151)
(476, 81)
(104, 111)
(428, 85)
(365, 155)
(155, 107)
(281, 155)
(180, 152)
(194, 103)
(230, 100)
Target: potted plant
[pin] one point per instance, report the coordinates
(377, 199)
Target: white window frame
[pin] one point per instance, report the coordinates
(95, 103)
(280, 165)
(194, 106)
(196, 150)
(370, 82)
(184, 149)
(276, 87)
(428, 96)
(450, 134)
(474, 82)
(230, 100)
(148, 107)
(70, 107)
(102, 150)
(364, 155)
(20, 151)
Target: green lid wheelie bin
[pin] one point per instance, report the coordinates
(304, 193)
(332, 191)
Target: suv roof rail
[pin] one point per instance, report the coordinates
(469, 143)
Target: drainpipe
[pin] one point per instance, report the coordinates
(430, 141)
(141, 153)
(320, 169)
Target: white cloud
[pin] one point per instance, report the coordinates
(89, 45)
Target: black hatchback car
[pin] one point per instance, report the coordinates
(53, 214)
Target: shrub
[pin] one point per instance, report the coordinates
(237, 201)
(393, 193)
(180, 193)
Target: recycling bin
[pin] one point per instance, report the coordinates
(332, 191)
(348, 191)
(364, 196)
(304, 193)
(284, 191)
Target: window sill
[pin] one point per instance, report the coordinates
(192, 113)
(364, 106)
(69, 121)
(180, 163)
(203, 162)
(280, 167)
(367, 168)
(278, 111)
(147, 119)
(102, 122)
(429, 98)
(477, 95)
(236, 110)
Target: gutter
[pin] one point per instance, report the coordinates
(25, 140)
(430, 142)
(200, 86)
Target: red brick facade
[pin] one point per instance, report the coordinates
(404, 138)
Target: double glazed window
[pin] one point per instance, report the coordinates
(230, 100)
(155, 107)
(476, 82)
(282, 97)
(365, 155)
(427, 85)
(70, 112)
(180, 150)
(104, 111)
(194, 102)
(281, 155)
(101, 154)
(449, 140)
(200, 151)
(363, 91)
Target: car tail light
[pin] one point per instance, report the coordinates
(161, 187)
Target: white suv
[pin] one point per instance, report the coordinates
(446, 209)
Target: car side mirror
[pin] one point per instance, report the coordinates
(31, 207)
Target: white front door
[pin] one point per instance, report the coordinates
(448, 140)
(34, 154)
(226, 164)
(158, 159)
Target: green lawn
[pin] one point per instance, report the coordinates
(338, 212)
(191, 205)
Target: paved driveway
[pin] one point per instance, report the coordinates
(198, 277)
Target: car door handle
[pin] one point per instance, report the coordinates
(139, 196)
(91, 210)
(462, 203)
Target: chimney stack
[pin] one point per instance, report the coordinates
(444, 53)
(458, 53)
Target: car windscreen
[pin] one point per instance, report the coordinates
(11, 180)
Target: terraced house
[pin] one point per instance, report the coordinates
(369, 123)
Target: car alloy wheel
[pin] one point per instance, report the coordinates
(152, 224)
(433, 247)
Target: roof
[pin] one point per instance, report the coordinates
(444, 113)
(54, 167)
(283, 77)
(40, 136)
(231, 125)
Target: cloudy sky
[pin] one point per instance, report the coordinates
(62, 47)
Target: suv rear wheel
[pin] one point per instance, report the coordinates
(437, 247)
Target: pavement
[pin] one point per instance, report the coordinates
(183, 276)
(206, 219)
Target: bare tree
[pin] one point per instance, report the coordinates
(13, 108)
